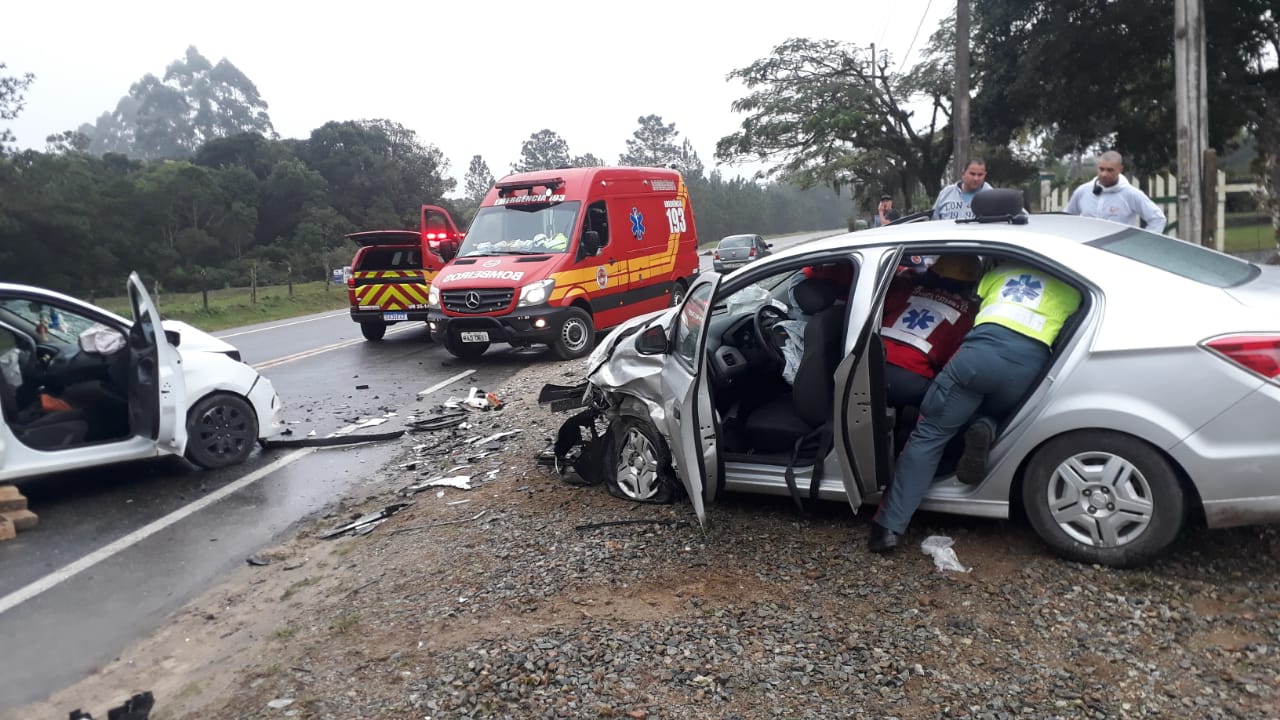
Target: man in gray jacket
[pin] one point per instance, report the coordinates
(953, 201)
(1111, 197)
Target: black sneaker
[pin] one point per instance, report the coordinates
(882, 539)
(972, 466)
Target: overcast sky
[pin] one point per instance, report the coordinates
(470, 78)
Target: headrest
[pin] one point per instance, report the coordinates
(814, 295)
(998, 202)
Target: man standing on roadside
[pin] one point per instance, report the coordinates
(953, 201)
(1111, 197)
(885, 213)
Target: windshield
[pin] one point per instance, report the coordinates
(45, 322)
(521, 230)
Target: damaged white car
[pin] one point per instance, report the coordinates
(1108, 455)
(80, 386)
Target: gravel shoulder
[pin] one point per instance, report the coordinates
(496, 602)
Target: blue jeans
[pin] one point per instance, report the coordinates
(986, 377)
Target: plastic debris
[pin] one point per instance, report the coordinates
(280, 703)
(137, 707)
(374, 518)
(257, 561)
(944, 557)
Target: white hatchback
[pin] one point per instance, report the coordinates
(81, 386)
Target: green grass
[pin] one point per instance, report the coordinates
(1250, 237)
(234, 307)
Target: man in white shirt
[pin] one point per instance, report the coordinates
(1111, 197)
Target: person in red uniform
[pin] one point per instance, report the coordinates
(926, 315)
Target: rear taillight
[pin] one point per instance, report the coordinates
(1256, 353)
(351, 281)
(715, 254)
(752, 253)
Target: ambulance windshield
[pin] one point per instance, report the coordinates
(528, 229)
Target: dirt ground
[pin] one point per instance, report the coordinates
(459, 569)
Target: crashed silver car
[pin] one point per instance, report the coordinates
(1157, 407)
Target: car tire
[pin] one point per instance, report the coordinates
(577, 335)
(637, 465)
(678, 289)
(373, 331)
(221, 431)
(465, 351)
(1103, 497)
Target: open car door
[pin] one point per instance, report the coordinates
(691, 422)
(863, 431)
(157, 390)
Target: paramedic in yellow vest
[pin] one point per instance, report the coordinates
(1021, 314)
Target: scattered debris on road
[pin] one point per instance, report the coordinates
(137, 707)
(14, 515)
(365, 524)
(332, 441)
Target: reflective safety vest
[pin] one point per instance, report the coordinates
(1026, 301)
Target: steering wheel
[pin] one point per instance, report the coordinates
(766, 319)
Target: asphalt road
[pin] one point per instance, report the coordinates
(117, 549)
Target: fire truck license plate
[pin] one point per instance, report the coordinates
(395, 316)
(475, 336)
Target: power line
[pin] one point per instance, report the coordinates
(913, 37)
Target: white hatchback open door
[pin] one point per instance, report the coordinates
(691, 420)
(157, 390)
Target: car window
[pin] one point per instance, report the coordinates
(736, 241)
(689, 325)
(390, 259)
(47, 323)
(1180, 258)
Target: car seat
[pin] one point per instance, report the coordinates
(780, 423)
(42, 430)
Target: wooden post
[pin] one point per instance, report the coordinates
(1209, 194)
(1192, 115)
(960, 105)
(1220, 237)
(253, 284)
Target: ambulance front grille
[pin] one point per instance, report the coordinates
(477, 301)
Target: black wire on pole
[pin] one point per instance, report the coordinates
(914, 37)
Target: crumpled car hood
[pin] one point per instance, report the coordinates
(618, 367)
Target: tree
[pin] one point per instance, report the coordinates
(689, 164)
(587, 160)
(171, 117)
(12, 100)
(478, 180)
(67, 141)
(544, 150)
(835, 115)
(377, 162)
(653, 144)
(1090, 73)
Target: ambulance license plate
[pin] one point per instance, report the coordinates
(390, 316)
(481, 336)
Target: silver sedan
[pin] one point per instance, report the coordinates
(1158, 406)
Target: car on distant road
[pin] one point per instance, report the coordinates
(1157, 407)
(81, 386)
(734, 251)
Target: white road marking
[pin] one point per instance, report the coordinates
(321, 350)
(59, 576)
(443, 383)
(274, 327)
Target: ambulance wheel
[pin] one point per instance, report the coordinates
(373, 331)
(466, 351)
(221, 430)
(577, 335)
(678, 290)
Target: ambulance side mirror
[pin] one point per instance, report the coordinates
(590, 242)
(447, 249)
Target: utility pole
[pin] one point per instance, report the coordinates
(1192, 117)
(960, 106)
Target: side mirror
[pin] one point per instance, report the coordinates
(590, 242)
(447, 249)
(173, 337)
(653, 341)
(768, 245)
